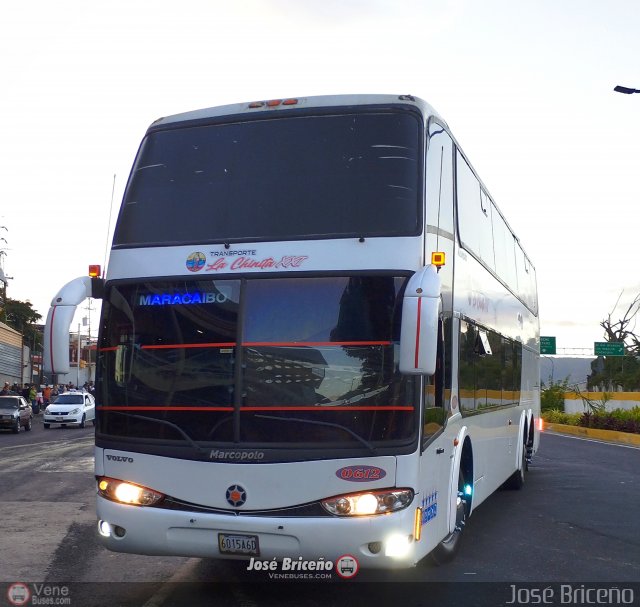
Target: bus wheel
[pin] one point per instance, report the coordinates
(516, 480)
(449, 546)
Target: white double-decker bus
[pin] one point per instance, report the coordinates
(319, 338)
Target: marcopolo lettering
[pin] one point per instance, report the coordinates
(237, 455)
(120, 458)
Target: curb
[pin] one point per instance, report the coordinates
(611, 436)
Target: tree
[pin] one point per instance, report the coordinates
(21, 316)
(623, 329)
(624, 371)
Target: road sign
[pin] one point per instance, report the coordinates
(547, 345)
(608, 348)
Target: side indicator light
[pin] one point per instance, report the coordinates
(290, 102)
(274, 102)
(417, 525)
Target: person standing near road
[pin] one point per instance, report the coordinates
(33, 399)
(46, 395)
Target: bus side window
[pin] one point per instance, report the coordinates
(436, 391)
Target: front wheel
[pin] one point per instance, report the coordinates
(29, 424)
(46, 426)
(82, 421)
(449, 546)
(17, 427)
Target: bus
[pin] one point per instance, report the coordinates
(319, 338)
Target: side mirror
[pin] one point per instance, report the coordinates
(61, 313)
(420, 313)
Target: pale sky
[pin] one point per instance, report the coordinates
(526, 87)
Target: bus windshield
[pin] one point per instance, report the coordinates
(322, 176)
(257, 362)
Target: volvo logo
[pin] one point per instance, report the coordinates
(236, 495)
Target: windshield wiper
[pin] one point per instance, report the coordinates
(182, 433)
(366, 443)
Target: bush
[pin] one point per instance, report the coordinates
(552, 395)
(555, 416)
(622, 420)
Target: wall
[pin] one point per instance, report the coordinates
(617, 400)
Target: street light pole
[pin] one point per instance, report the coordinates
(626, 90)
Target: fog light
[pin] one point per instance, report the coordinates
(397, 546)
(374, 547)
(104, 529)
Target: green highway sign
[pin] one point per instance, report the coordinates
(547, 345)
(608, 348)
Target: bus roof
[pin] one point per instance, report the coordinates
(291, 103)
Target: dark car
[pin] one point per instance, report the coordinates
(15, 413)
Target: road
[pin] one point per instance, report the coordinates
(575, 522)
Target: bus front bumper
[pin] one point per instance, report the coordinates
(384, 541)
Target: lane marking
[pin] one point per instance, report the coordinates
(590, 440)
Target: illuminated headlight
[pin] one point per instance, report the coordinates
(74, 411)
(127, 493)
(367, 503)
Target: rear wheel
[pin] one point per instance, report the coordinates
(449, 546)
(516, 480)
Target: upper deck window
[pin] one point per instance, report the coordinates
(291, 178)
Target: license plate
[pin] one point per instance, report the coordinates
(60, 419)
(238, 544)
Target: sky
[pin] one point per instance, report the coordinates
(526, 87)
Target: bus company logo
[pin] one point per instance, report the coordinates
(18, 594)
(236, 495)
(196, 261)
(360, 474)
(247, 263)
(347, 566)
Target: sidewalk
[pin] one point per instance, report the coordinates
(610, 436)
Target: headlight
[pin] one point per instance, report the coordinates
(47, 411)
(369, 502)
(127, 493)
(74, 411)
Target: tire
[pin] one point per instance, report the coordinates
(17, 427)
(46, 426)
(82, 423)
(93, 421)
(29, 424)
(446, 550)
(516, 480)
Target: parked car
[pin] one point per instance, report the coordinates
(15, 413)
(74, 408)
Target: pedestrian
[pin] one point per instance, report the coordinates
(33, 398)
(5, 391)
(46, 395)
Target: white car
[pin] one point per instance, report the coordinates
(72, 408)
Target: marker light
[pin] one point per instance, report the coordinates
(127, 493)
(540, 424)
(94, 271)
(368, 503)
(437, 258)
(417, 525)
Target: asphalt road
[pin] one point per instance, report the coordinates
(575, 524)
